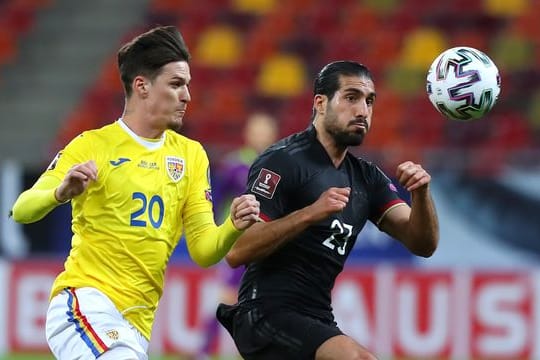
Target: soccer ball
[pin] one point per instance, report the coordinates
(463, 83)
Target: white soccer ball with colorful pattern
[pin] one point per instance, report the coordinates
(463, 83)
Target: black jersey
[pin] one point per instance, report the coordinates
(290, 175)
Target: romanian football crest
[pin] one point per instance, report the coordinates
(113, 334)
(175, 167)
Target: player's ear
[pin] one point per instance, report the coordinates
(140, 86)
(319, 104)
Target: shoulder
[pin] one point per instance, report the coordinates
(93, 137)
(288, 149)
(369, 170)
(106, 133)
(178, 140)
(295, 143)
(361, 163)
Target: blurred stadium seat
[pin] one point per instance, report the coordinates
(514, 53)
(505, 8)
(16, 19)
(219, 46)
(8, 45)
(279, 47)
(421, 47)
(282, 75)
(258, 7)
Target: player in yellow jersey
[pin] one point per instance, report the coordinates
(135, 186)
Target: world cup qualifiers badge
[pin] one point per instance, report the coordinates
(266, 183)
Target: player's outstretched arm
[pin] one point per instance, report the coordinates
(416, 227)
(208, 243)
(262, 239)
(48, 192)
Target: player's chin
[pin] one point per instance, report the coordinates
(349, 138)
(356, 138)
(176, 124)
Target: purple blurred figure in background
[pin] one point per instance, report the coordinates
(260, 131)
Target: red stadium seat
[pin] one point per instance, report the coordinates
(110, 76)
(397, 40)
(8, 46)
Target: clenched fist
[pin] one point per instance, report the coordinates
(245, 211)
(76, 181)
(412, 176)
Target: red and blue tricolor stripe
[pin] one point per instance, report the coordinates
(83, 327)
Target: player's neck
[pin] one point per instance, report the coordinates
(140, 125)
(335, 152)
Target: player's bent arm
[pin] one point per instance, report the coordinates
(33, 204)
(262, 239)
(417, 227)
(207, 243)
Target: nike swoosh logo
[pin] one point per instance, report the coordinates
(120, 161)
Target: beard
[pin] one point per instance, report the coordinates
(343, 137)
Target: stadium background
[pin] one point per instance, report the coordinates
(478, 297)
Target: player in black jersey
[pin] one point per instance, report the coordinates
(315, 197)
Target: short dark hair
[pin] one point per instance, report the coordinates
(147, 53)
(327, 80)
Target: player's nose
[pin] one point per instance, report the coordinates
(185, 95)
(361, 109)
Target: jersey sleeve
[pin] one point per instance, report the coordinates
(207, 243)
(383, 194)
(199, 196)
(35, 203)
(79, 150)
(271, 179)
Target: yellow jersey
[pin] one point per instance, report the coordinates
(127, 222)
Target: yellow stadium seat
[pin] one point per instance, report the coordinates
(282, 75)
(506, 8)
(257, 7)
(421, 47)
(381, 6)
(219, 46)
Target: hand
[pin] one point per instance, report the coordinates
(330, 202)
(245, 211)
(76, 181)
(412, 176)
